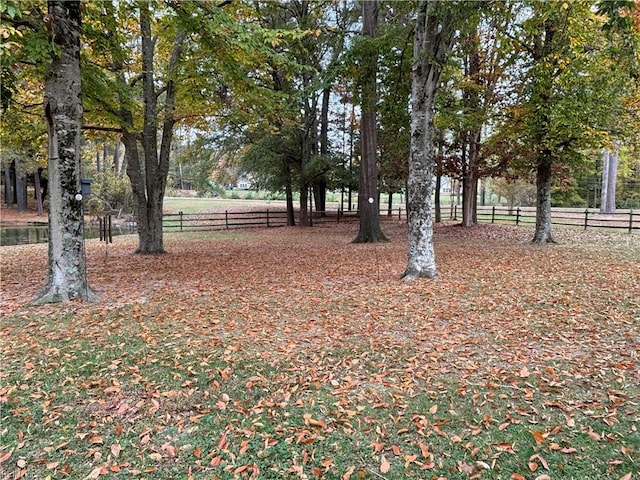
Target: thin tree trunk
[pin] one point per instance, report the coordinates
(437, 198)
(291, 217)
(38, 187)
(613, 177)
(63, 113)
(609, 177)
(8, 185)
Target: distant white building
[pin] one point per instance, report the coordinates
(446, 186)
(244, 182)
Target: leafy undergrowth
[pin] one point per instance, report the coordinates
(292, 353)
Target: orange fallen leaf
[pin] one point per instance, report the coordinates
(539, 437)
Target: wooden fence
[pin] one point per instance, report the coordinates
(627, 220)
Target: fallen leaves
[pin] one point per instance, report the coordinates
(286, 353)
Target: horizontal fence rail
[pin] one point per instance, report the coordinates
(585, 219)
(589, 218)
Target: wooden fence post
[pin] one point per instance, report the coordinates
(493, 214)
(226, 219)
(180, 213)
(518, 216)
(630, 220)
(586, 218)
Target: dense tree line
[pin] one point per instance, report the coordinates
(303, 94)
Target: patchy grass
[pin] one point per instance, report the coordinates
(292, 353)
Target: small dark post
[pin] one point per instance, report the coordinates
(630, 220)
(226, 219)
(518, 216)
(101, 228)
(586, 218)
(180, 213)
(110, 235)
(493, 214)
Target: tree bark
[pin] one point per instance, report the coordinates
(542, 90)
(609, 177)
(8, 185)
(63, 113)
(543, 205)
(151, 179)
(433, 36)
(368, 198)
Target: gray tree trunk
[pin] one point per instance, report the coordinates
(368, 198)
(543, 90)
(67, 276)
(609, 178)
(21, 188)
(543, 205)
(432, 41)
(149, 177)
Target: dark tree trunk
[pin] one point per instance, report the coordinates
(368, 198)
(469, 199)
(63, 113)
(8, 185)
(543, 90)
(543, 205)
(438, 187)
(151, 177)
(288, 189)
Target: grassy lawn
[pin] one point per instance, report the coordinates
(292, 353)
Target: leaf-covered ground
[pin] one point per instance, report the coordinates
(292, 353)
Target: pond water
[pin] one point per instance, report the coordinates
(39, 233)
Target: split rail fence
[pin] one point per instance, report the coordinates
(627, 220)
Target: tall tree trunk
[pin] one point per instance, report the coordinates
(543, 90)
(320, 185)
(432, 41)
(156, 164)
(368, 198)
(63, 113)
